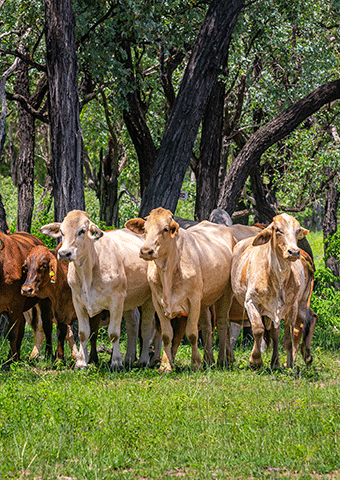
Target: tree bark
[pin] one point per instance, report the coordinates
(25, 160)
(65, 132)
(267, 136)
(330, 224)
(108, 190)
(207, 179)
(208, 55)
(3, 223)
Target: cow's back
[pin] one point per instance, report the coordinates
(210, 247)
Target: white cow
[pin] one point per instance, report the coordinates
(105, 273)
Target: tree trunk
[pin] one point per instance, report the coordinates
(208, 55)
(65, 132)
(108, 191)
(207, 176)
(3, 223)
(136, 124)
(330, 225)
(25, 161)
(265, 211)
(267, 136)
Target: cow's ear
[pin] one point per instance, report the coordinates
(94, 232)
(303, 233)
(53, 267)
(136, 225)
(52, 230)
(173, 228)
(264, 236)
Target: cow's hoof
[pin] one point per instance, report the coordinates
(255, 366)
(80, 366)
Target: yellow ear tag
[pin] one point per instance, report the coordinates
(52, 275)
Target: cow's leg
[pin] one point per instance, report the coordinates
(147, 330)
(192, 332)
(235, 331)
(116, 314)
(131, 318)
(274, 335)
(288, 338)
(167, 336)
(70, 340)
(33, 318)
(225, 352)
(46, 317)
(307, 337)
(157, 342)
(61, 334)
(255, 319)
(94, 326)
(179, 325)
(207, 333)
(84, 334)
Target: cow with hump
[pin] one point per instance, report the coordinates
(266, 277)
(188, 270)
(104, 273)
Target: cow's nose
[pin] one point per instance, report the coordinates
(64, 255)
(146, 252)
(27, 290)
(294, 252)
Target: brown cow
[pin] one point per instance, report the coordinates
(14, 248)
(266, 278)
(189, 270)
(46, 277)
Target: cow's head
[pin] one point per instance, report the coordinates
(159, 228)
(40, 268)
(284, 233)
(76, 231)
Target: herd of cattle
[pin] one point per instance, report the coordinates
(165, 280)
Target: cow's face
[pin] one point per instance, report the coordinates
(159, 228)
(75, 230)
(284, 233)
(40, 268)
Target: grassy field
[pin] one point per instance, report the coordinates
(141, 424)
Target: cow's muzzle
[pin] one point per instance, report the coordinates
(293, 254)
(28, 291)
(147, 253)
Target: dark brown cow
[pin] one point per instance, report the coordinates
(14, 249)
(47, 278)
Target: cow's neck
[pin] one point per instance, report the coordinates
(167, 266)
(85, 265)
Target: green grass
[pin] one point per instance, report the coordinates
(234, 424)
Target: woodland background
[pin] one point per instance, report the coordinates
(118, 106)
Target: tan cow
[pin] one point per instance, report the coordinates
(188, 270)
(265, 277)
(105, 273)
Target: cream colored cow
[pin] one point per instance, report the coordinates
(105, 273)
(188, 270)
(266, 279)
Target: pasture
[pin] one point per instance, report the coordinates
(140, 424)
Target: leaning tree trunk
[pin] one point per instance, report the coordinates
(65, 132)
(25, 160)
(209, 53)
(330, 224)
(267, 136)
(207, 172)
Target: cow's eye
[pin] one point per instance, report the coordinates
(81, 232)
(278, 231)
(166, 229)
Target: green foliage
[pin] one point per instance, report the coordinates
(333, 246)
(326, 300)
